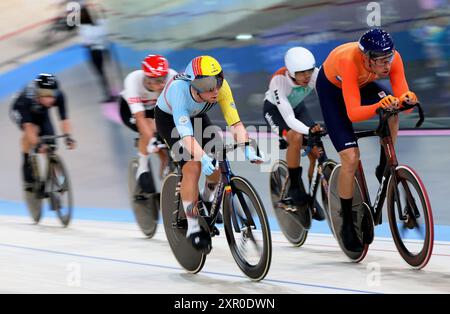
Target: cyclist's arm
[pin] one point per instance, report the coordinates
(61, 104)
(230, 113)
(137, 108)
(66, 126)
(278, 88)
(186, 131)
(352, 95)
(227, 105)
(397, 76)
(240, 134)
(176, 99)
(132, 95)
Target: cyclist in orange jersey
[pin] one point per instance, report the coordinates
(348, 92)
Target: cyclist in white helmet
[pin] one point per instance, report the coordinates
(287, 116)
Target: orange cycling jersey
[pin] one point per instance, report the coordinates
(345, 68)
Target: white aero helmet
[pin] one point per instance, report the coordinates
(299, 59)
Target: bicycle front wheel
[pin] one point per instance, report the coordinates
(410, 217)
(61, 198)
(175, 226)
(247, 229)
(291, 228)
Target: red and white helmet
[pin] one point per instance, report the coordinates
(155, 66)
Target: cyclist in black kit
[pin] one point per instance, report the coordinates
(30, 111)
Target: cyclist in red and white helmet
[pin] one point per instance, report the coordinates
(137, 103)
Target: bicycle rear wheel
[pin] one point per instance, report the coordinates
(247, 229)
(145, 209)
(291, 228)
(34, 202)
(334, 212)
(410, 217)
(60, 190)
(175, 226)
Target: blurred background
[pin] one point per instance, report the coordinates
(249, 38)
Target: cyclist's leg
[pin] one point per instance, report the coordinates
(272, 117)
(199, 238)
(191, 171)
(41, 126)
(23, 118)
(295, 142)
(349, 160)
(29, 140)
(302, 114)
(142, 173)
(162, 154)
(164, 162)
(293, 158)
(209, 138)
(30, 137)
(146, 127)
(340, 130)
(28, 124)
(211, 141)
(341, 133)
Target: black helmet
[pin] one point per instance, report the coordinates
(46, 81)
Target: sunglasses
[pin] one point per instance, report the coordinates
(383, 61)
(205, 84)
(46, 93)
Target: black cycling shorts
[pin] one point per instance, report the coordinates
(128, 118)
(339, 126)
(42, 121)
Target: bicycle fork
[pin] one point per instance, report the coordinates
(391, 173)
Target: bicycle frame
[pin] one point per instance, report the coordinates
(318, 171)
(384, 132)
(50, 157)
(392, 163)
(224, 188)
